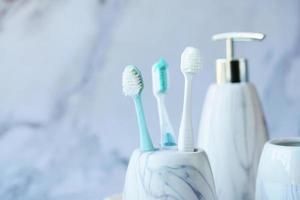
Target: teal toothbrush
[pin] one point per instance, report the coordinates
(132, 82)
(160, 86)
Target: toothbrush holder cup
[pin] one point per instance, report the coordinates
(169, 174)
(279, 170)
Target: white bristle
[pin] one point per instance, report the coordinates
(132, 81)
(190, 60)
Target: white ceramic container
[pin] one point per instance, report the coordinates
(169, 174)
(279, 170)
(233, 132)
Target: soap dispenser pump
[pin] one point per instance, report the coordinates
(232, 127)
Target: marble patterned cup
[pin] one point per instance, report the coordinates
(169, 174)
(279, 170)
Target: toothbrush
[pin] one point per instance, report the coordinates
(160, 87)
(132, 82)
(190, 65)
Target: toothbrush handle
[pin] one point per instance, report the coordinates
(145, 140)
(166, 129)
(186, 140)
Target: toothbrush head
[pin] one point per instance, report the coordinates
(132, 81)
(190, 60)
(160, 76)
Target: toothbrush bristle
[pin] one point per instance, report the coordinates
(160, 76)
(190, 60)
(132, 81)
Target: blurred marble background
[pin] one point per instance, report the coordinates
(66, 131)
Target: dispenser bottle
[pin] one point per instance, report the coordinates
(232, 128)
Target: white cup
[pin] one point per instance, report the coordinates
(169, 174)
(279, 170)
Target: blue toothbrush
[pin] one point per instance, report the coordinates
(160, 87)
(133, 85)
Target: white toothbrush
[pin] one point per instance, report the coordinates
(190, 65)
(160, 86)
(132, 82)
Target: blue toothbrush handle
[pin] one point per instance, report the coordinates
(145, 140)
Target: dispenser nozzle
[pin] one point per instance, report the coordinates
(229, 48)
(231, 69)
(234, 37)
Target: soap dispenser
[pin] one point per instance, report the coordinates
(232, 127)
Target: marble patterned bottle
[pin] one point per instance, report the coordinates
(232, 128)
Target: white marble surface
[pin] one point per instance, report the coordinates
(66, 131)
